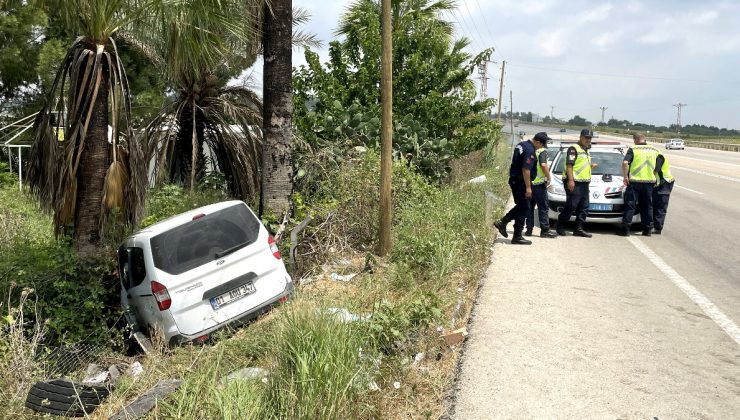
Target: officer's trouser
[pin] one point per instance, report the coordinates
(639, 194)
(576, 202)
(519, 212)
(539, 200)
(661, 195)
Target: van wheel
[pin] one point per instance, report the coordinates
(65, 398)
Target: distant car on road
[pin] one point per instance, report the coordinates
(596, 134)
(674, 144)
(196, 272)
(606, 191)
(563, 130)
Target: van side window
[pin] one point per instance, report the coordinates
(138, 267)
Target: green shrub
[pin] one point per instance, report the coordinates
(346, 203)
(172, 199)
(395, 327)
(320, 366)
(435, 237)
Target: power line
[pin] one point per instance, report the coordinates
(474, 43)
(625, 76)
(488, 29)
(473, 20)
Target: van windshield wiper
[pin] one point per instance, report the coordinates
(230, 250)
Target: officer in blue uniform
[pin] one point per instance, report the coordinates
(521, 174)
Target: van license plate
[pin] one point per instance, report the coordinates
(232, 295)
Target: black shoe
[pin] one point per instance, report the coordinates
(582, 233)
(528, 233)
(548, 234)
(657, 231)
(646, 233)
(559, 229)
(501, 226)
(623, 230)
(519, 240)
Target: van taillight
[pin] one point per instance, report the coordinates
(273, 247)
(161, 295)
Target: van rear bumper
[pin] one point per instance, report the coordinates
(247, 316)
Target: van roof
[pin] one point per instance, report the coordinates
(182, 218)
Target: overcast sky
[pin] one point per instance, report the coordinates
(637, 58)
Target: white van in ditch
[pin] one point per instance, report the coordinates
(196, 272)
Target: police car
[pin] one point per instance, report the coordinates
(606, 191)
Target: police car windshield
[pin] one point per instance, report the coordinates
(608, 163)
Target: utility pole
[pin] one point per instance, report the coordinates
(511, 103)
(678, 117)
(603, 109)
(386, 131)
(501, 89)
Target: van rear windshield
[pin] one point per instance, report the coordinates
(198, 242)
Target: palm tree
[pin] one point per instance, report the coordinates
(206, 120)
(80, 178)
(277, 149)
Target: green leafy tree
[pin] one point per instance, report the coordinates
(578, 120)
(21, 30)
(433, 95)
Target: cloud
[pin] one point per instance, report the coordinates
(706, 17)
(596, 14)
(658, 35)
(551, 43)
(607, 39)
(634, 7)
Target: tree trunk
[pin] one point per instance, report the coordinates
(277, 111)
(94, 163)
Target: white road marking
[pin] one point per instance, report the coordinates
(696, 171)
(689, 189)
(699, 299)
(713, 162)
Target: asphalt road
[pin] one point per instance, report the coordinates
(611, 327)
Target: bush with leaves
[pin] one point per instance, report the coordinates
(436, 116)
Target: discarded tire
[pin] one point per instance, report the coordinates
(65, 398)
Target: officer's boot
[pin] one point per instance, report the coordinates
(623, 229)
(580, 232)
(547, 233)
(501, 226)
(559, 229)
(518, 239)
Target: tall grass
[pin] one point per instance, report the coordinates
(320, 368)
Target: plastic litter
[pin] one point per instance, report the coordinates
(478, 180)
(418, 359)
(136, 369)
(373, 386)
(97, 379)
(397, 385)
(247, 373)
(340, 277)
(346, 316)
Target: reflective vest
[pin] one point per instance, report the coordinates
(642, 168)
(665, 171)
(540, 178)
(581, 167)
